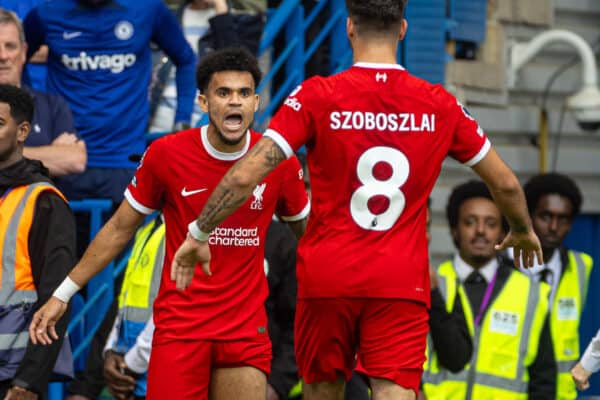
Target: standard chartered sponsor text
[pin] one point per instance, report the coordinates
(115, 63)
(238, 237)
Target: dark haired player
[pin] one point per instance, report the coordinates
(212, 339)
(376, 138)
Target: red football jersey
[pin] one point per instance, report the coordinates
(376, 138)
(177, 174)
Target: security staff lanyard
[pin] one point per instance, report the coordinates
(486, 299)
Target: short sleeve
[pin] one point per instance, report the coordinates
(145, 191)
(62, 118)
(469, 142)
(293, 124)
(293, 204)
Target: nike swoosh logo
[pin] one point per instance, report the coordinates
(186, 193)
(71, 35)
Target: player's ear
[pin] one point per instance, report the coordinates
(203, 102)
(257, 102)
(403, 28)
(350, 29)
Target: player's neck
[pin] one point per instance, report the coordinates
(216, 141)
(374, 52)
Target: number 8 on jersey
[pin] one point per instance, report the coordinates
(372, 186)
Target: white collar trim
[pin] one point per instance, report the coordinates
(219, 155)
(463, 270)
(379, 65)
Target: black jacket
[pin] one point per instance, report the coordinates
(52, 252)
(280, 254)
(542, 372)
(449, 332)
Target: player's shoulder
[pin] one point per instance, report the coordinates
(436, 92)
(315, 86)
(177, 140)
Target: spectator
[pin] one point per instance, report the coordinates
(52, 139)
(219, 346)
(35, 72)
(554, 200)
(207, 25)
(99, 60)
(38, 249)
(506, 313)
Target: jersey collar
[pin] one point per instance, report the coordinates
(219, 155)
(379, 65)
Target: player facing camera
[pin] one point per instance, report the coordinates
(227, 82)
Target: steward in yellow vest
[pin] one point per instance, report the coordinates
(507, 349)
(554, 200)
(567, 306)
(37, 250)
(131, 336)
(505, 312)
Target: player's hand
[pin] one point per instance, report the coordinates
(42, 329)
(120, 384)
(19, 393)
(526, 247)
(581, 376)
(190, 253)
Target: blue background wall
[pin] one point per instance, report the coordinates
(585, 236)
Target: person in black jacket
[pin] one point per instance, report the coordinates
(51, 253)
(280, 268)
(447, 327)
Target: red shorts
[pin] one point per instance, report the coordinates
(181, 369)
(382, 338)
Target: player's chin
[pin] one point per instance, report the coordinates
(233, 137)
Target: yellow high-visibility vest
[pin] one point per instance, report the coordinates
(504, 345)
(564, 319)
(18, 293)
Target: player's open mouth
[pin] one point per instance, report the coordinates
(233, 121)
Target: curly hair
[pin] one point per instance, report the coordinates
(376, 15)
(552, 183)
(463, 192)
(231, 59)
(20, 102)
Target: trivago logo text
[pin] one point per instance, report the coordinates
(115, 63)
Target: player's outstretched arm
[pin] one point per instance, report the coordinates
(108, 243)
(233, 190)
(509, 197)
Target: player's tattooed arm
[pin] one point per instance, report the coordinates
(239, 182)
